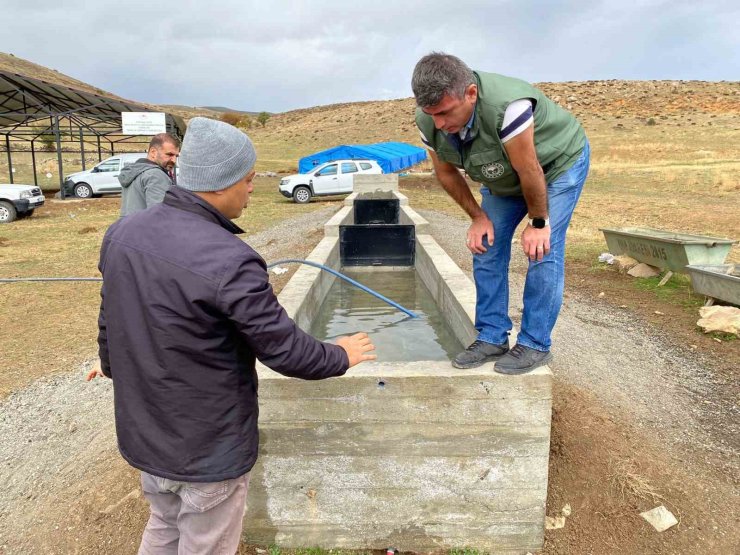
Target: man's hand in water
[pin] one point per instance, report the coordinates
(357, 346)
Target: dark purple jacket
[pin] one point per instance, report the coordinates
(186, 307)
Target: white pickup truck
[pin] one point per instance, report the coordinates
(18, 201)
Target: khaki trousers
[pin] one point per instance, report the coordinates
(189, 518)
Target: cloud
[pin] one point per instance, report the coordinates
(288, 54)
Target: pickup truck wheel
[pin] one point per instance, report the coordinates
(83, 190)
(302, 195)
(7, 212)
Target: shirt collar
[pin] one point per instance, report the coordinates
(465, 131)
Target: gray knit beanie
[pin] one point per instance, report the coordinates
(214, 156)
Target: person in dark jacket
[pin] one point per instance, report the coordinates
(186, 310)
(144, 183)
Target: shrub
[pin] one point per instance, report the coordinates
(232, 118)
(48, 142)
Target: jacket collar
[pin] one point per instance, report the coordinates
(183, 199)
(150, 163)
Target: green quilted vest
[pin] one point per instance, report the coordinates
(558, 137)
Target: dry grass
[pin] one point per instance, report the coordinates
(627, 480)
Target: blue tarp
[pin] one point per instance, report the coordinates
(392, 157)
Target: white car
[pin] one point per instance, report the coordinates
(18, 201)
(101, 178)
(331, 178)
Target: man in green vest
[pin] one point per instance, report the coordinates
(531, 158)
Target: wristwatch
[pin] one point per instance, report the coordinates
(539, 223)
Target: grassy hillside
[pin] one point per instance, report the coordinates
(624, 118)
(13, 64)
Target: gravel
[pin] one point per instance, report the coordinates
(53, 431)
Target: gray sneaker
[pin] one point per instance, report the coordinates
(479, 353)
(521, 359)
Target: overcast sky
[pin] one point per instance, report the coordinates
(278, 55)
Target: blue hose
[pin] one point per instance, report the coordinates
(284, 261)
(347, 279)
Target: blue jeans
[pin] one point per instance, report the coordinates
(543, 289)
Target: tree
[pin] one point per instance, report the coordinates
(262, 118)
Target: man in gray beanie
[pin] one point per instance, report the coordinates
(186, 310)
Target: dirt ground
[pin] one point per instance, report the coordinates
(647, 416)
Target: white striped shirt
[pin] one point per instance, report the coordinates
(518, 117)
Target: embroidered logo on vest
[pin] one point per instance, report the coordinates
(493, 170)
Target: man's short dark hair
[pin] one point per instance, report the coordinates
(162, 138)
(439, 74)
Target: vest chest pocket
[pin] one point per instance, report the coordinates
(488, 166)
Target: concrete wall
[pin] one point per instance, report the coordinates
(418, 456)
(346, 216)
(434, 458)
(308, 286)
(450, 287)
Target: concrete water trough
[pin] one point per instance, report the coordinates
(665, 249)
(412, 454)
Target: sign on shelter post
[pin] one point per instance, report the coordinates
(143, 123)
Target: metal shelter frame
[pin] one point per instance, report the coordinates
(31, 109)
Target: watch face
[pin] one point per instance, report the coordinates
(538, 223)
